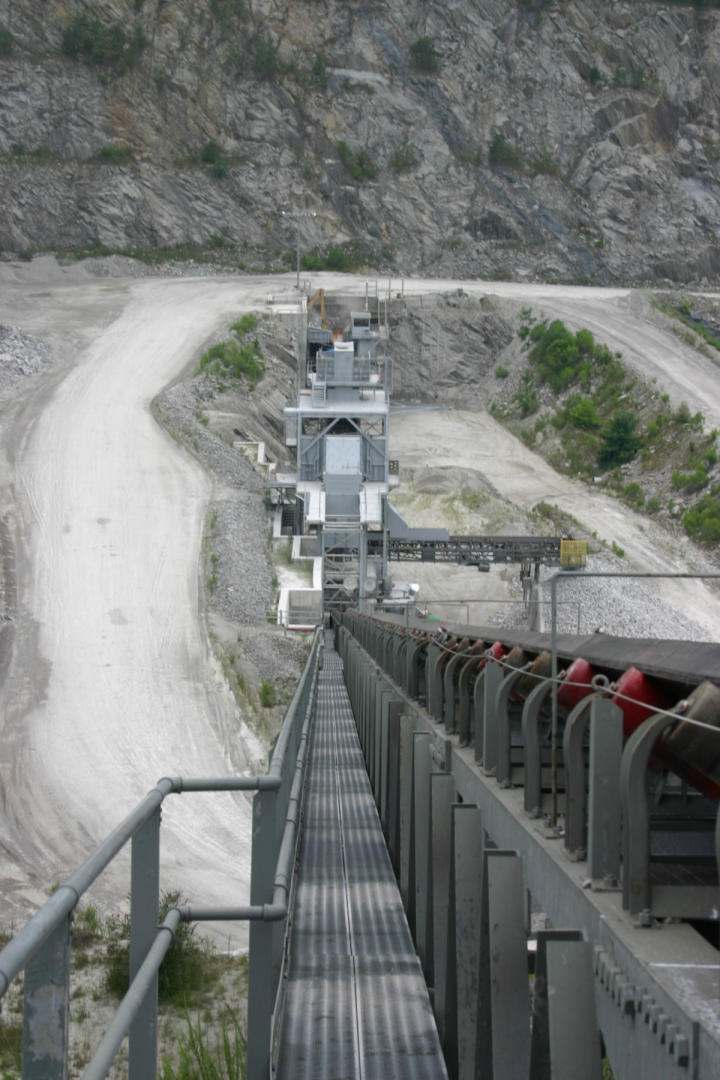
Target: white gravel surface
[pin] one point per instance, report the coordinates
(111, 684)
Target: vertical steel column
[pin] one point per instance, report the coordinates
(576, 726)
(263, 974)
(574, 1037)
(503, 1011)
(540, 1063)
(606, 743)
(392, 708)
(393, 788)
(503, 725)
(635, 814)
(477, 724)
(144, 919)
(47, 1007)
(442, 795)
(467, 855)
(492, 682)
(407, 860)
(422, 839)
(531, 720)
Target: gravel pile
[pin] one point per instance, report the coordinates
(618, 606)
(21, 355)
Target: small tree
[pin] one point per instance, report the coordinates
(620, 441)
(423, 54)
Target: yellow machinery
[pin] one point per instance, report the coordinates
(573, 553)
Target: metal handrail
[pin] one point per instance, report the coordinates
(39, 937)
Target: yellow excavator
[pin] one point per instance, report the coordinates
(318, 297)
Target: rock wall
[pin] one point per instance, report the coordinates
(529, 139)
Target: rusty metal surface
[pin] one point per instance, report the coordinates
(356, 1000)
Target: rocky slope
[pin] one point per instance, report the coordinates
(516, 139)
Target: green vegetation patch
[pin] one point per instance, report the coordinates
(357, 162)
(6, 42)
(424, 55)
(501, 152)
(202, 1056)
(702, 521)
(87, 38)
(239, 359)
(190, 964)
(342, 259)
(231, 358)
(114, 155)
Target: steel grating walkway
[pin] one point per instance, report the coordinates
(357, 1005)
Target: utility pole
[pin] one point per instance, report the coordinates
(298, 214)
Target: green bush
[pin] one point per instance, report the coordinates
(423, 54)
(87, 38)
(501, 152)
(114, 155)
(6, 42)
(245, 324)
(582, 413)
(341, 259)
(702, 521)
(501, 372)
(319, 75)
(544, 164)
(227, 10)
(634, 493)
(358, 164)
(620, 441)
(211, 155)
(691, 481)
(526, 395)
(264, 58)
(267, 695)
(556, 354)
(181, 972)
(405, 157)
(230, 358)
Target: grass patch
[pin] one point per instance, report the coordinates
(114, 155)
(241, 361)
(88, 39)
(190, 965)
(202, 1057)
(267, 694)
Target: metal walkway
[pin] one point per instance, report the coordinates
(356, 1005)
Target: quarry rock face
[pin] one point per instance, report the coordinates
(510, 139)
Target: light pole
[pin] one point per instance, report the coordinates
(298, 214)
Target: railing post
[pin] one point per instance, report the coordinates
(606, 744)
(47, 1007)
(262, 976)
(144, 909)
(422, 842)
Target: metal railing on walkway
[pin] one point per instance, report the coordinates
(43, 947)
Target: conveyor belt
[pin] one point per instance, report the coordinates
(356, 1001)
(680, 662)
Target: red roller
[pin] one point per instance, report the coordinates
(497, 651)
(579, 672)
(647, 699)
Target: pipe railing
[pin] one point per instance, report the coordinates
(42, 947)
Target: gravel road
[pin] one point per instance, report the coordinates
(110, 682)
